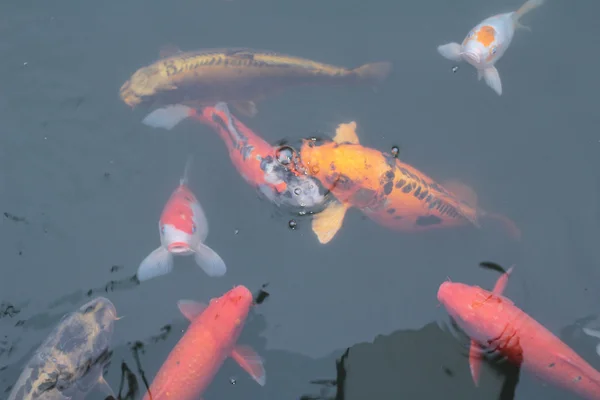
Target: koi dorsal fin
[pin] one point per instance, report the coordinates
(186, 171)
(501, 282)
(169, 50)
(346, 133)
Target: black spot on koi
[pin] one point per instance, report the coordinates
(428, 220)
(340, 181)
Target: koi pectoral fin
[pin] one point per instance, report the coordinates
(475, 359)
(157, 263)
(450, 51)
(247, 108)
(329, 221)
(209, 260)
(104, 387)
(167, 117)
(594, 333)
(251, 362)
(492, 79)
(191, 309)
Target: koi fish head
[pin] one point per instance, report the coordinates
(317, 158)
(99, 316)
(103, 308)
(480, 47)
(178, 228)
(144, 83)
(232, 308)
(474, 309)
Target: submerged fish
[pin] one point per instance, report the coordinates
(211, 338)
(70, 362)
(261, 164)
(183, 229)
(487, 42)
(238, 76)
(388, 191)
(494, 323)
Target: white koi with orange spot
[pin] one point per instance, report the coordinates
(487, 42)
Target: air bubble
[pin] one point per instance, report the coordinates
(395, 151)
(292, 224)
(297, 191)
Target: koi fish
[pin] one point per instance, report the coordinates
(262, 165)
(238, 76)
(494, 323)
(390, 192)
(208, 341)
(183, 229)
(69, 364)
(487, 42)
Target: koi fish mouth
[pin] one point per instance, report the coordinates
(471, 57)
(128, 96)
(178, 248)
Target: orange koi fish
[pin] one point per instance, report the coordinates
(183, 229)
(262, 165)
(388, 191)
(209, 340)
(494, 323)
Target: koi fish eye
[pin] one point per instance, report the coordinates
(285, 155)
(494, 49)
(471, 35)
(162, 230)
(88, 309)
(193, 228)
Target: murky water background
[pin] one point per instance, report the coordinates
(91, 180)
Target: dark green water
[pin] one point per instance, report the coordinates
(91, 180)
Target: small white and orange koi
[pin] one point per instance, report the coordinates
(487, 42)
(183, 229)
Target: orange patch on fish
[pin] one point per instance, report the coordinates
(178, 211)
(486, 35)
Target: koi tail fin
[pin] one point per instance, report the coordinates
(374, 73)
(524, 9)
(168, 117)
(507, 223)
(186, 171)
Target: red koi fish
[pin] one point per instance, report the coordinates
(262, 165)
(494, 323)
(183, 229)
(387, 190)
(209, 340)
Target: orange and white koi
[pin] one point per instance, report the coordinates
(183, 229)
(261, 164)
(487, 42)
